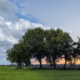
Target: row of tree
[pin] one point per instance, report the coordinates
(39, 43)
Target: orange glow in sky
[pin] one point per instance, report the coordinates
(62, 61)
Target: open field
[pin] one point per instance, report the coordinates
(11, 73)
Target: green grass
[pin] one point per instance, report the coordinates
(11, 73)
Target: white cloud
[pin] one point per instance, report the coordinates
(8, 23)
(10, 33)
(12, 40)
(12, 28)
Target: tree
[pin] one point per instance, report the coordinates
(14, 55)
(18, 54)
(25, 53)
(66, 48)
(78, 46)
(34, 40)
(75, 51)
(53, 44)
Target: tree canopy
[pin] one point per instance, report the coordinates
(39, 43)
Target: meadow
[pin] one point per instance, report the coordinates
(11, 73)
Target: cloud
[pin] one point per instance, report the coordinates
(8, 10)
(11, 32)
(12, 28)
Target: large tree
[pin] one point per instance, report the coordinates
(53, 45)
(34, 40)
(58, 44)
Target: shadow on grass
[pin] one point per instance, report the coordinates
(45, 68)
(60, 68)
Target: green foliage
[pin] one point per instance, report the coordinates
(56, 44)
(40, 43)
(19, 54)
(34, 40)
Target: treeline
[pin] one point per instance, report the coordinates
(39, 43)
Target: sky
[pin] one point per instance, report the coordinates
(17, 16)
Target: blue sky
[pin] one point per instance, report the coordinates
(16, 16)
(64, 14)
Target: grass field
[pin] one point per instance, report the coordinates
(11, 73)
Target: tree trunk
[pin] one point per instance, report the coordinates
(65, 64)
(19, 64)
(26, 64)
(54, 62)
(22, 64)
(74, 61)
(40, 63)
